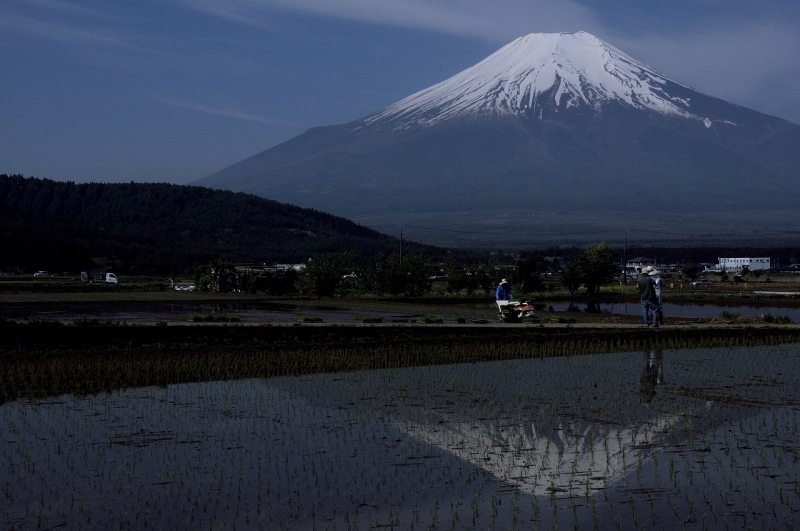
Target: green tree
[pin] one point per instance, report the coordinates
(219, 276)
(372, 276)
(691, 271)
(417, 275)
(457, 277)
(382, 274)
(571, 278)
(597, 266)
(594, 268)
(528, 276)
(325, 273)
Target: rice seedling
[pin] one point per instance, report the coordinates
(776, 319)
(729, 316)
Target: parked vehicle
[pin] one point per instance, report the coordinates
(701, 282)
(184, 287)
(40, 274)
(99, 276)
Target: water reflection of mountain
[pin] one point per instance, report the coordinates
(572, 425)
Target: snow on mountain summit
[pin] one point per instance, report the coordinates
(574, 69)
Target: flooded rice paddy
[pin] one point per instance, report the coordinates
(694, 439)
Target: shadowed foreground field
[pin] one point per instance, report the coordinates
(50, 360)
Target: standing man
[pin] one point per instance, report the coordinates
(503, 292)
(657, 285)
(647, 295)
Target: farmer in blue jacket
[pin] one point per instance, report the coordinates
(503, 292)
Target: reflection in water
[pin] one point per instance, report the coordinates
(652, 377)
(582, 442)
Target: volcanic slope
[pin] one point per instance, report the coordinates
(550, 122)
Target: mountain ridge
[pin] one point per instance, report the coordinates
(500, 133)
(61, 226)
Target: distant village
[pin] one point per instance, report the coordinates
(737, 266)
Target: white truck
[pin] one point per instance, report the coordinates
(99, 276)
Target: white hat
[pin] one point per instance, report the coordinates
(647, 269)
(653, 271)
(504, 281)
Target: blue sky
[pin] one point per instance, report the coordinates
(173, 90)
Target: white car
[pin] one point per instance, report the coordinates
(40, 274)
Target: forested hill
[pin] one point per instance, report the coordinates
(47, 224)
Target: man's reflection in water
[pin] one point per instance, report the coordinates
(653, 376)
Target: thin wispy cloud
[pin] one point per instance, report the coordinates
(739, 62)
(65, 32)
(228, 113)
(61, 6)
(496, 21)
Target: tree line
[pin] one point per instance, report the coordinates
(410, 275)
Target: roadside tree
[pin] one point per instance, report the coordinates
(570, 278)
(597, 267)
(325, 273)
(691, 271)
(219, 276)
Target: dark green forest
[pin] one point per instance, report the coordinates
(63, 226)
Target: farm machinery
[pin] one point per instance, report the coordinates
(513, 312)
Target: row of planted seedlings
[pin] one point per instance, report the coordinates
(580, 442)
(51, 373)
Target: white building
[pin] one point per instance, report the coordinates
(737, 264)
(634, 266)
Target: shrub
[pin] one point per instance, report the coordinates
(310, 319)
(460, 320)
(729, 316)
(430, 319)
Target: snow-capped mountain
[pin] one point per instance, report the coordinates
(575, 69)
(549, 123)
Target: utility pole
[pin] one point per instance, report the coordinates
(401, 245)
(625, 260)
(172, 252)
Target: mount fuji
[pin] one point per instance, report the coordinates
(549, 123)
